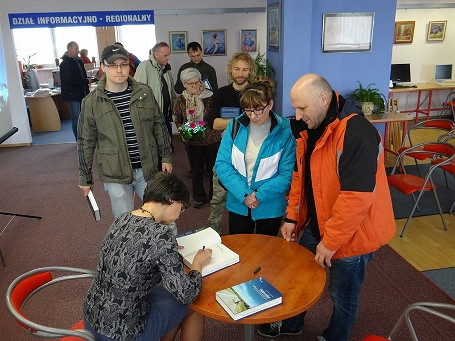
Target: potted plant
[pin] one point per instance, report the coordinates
(263, 66)
(30, 76)
(370, 97)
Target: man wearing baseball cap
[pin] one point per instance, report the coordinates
(122, 121)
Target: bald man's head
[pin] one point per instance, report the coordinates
(310, 97)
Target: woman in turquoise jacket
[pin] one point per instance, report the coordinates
(255, 163)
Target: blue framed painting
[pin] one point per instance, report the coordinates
(213, 42)
(178, 41)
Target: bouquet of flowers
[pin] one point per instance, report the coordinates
(193, 129)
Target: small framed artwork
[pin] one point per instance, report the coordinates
(404, 32)
(274, 26)
(213, 42)
(178, 41)
(248, 40)
(347, 32)
(436, 30)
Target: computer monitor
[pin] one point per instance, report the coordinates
(400, 73)
(443, 72)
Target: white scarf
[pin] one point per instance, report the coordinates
(194, 103)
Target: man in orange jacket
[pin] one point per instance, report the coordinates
(339, 195)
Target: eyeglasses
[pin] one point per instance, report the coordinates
(184, 207)
(256, 111)
(116, 66)
(194, 83)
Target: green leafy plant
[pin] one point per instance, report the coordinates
(369, 94)
(28, 65)
(263, 66)
(193, 129)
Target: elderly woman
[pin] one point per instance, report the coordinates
(193, 106)
(255, 163)
(141, 290)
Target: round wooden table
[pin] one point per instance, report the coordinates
(288, 266)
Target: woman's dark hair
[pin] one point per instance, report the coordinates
(258, 92)
(166, 188)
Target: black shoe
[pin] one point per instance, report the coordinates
(275, 329)
(198, 204)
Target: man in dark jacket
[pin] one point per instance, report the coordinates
(207, 71)
(74, 82)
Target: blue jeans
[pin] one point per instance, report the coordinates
(346, 277)
(75, 109)
(121, 195)
(165, 313)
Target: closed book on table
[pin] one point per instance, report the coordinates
(193, 241)
(93, 206)
(248, 298)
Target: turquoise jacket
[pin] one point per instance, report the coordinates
(272, 172)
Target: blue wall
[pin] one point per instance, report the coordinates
(300, 50)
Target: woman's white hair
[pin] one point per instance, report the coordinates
(188, 74)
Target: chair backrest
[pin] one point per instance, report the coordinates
(438, 123)
(433, 149)
(427, 307)
(31, 282)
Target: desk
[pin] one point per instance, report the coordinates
(288, 266)
(429, 87)
(392, 137)
(44, 115)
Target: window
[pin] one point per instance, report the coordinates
(137, 39)
(50, 43)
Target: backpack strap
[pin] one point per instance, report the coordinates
(235, 128)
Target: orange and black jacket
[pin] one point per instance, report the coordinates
(349, 183)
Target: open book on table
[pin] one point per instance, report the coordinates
(247, 298)
(193, 241)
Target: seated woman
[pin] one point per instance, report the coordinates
(193, 106)
(255, 163)
(141, 291)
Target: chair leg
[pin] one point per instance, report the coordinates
(412, 212)
(453, 206)
(439, 207)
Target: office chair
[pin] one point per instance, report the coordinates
(33, 281)
(411, 184)
(427, 307)
(439, 124)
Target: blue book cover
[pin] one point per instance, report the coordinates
(248, 298)
(229, 112)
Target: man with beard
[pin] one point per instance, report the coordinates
(241, 69)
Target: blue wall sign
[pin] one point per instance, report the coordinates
(60, 19)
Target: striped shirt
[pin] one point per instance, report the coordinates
(122, 103)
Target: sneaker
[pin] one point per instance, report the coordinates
(275, 329)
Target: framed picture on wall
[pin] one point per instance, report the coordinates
(213, 42)
(404, 32)
(274, 26)
(178, 41)
(248, 40)
(436, 30)
(347, 32)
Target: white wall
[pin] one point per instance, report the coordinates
(423, 55)
(192, 23)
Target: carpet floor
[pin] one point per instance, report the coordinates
(42, 180)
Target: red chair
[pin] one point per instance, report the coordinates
(427, 307)
(439, 124)
(411, 184)
(31, 282)
(449, 104)
(447, 168)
